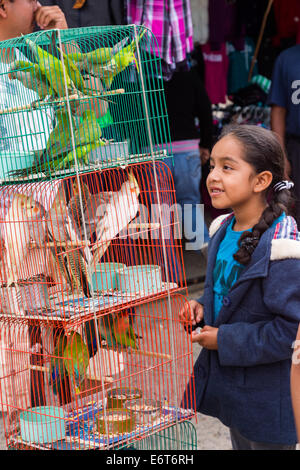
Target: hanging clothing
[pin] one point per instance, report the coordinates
(200, 20)
(171, 23)
(239, 65)
(216, 69)
(287, 17)
(226, 23)
(92, 12)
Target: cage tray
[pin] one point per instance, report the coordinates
(78, 306)
(80, 427)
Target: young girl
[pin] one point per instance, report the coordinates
(251, 301)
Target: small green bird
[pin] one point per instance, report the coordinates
(31, 76)
(54, 70)
(107, 63)
(73, 71)
(123, 331)
(60, 136)
(87, 132)
(76, 359)
(58, 373)
(99, 56)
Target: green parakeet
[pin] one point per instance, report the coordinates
(58, 373)
(59, 153)
(56, 73)
(106, 63)
(123, 331)
(73, 71)
(60, 136)
(99, 56)
(76, 358)
(87, 132)
(31, 76)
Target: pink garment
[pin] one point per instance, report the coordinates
(171, 23)
(216, 69)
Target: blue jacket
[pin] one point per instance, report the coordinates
(246, 382)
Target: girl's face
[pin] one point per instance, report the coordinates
(231, 182)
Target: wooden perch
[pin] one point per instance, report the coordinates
(107, 380)
(151, 354)
(60, 101)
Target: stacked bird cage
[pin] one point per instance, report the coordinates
(92, 353)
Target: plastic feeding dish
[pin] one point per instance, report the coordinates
(110, 153)
(145, 410)
(145, 279)
(42, 424)
(105, 276)
(118, 421)
(117, 396)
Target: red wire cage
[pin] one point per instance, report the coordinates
(92, 350)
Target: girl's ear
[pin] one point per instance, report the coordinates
(263, 181)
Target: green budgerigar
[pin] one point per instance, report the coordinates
(76, 358)
(100, 56)
(58, 373)
(107, 63)
(31, 76)
(55, 71)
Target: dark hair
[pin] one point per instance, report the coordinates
(263, 151)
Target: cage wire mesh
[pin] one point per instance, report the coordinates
(167, 440)
(61, 263)
(92, 352)
(80, 99)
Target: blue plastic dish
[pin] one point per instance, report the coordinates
(105, 276)
(145, 279)
(14, 161)
(42, 424)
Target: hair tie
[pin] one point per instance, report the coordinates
(283, 185)
(247, 243)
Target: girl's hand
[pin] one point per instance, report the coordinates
(207, 338)
(191, 311)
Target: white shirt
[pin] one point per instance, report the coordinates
(21, 132)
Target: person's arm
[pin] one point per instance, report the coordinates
(278, 99)
(295, 383)
(278, 116)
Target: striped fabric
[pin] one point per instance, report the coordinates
(181, 146)
(287, 229)
(171, 23)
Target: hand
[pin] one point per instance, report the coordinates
(207, 338)
(50, 18)
(191, 311)
(204, 155)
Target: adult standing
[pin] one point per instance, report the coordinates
(187, 101)
(284, 98)
(81, 13)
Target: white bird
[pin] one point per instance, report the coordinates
(67, 250)
(122, 207)
(23, 209)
